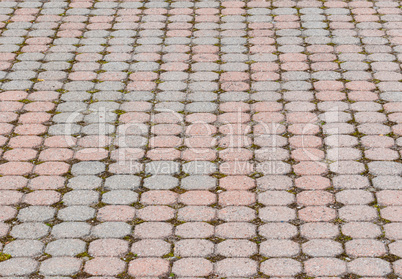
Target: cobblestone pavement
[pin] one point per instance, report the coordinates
(201, 139)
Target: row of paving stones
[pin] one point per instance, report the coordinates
(213, 139)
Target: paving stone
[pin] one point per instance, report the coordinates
(36, 214)
(87, 168)
(161, 182)
(120, 197)
(76, 213)
(120, 182)
(18, 267)
(24, 248)
(60, 266)
(71, 230)
(65, 247)
(29, 230)
(111, 230)
(198, 182)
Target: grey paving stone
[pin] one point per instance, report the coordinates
(36, 214)
(64, 129)
(387, 182)
(84, 182)
(81, 197)
(68, 117)
(120, 197)
(18, 267)
(29, 230)
(65, 247)
(76, 213)
(198, 182)
(161, 182)
(111, 230)
(385, 168)
(24, 248)
(88, 168)
(201, 107)
(71, 230)
(60, 266)
(122, 182)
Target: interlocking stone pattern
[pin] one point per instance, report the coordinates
(200, 139)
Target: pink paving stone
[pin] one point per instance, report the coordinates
(153, 230)
(315, 198)
(365, 248)
(155, 213)
(34, 117)
(360, 85)
(324, 267)
(237, 183)
(194, 230)
(235, 230)
(164, 154)
(198, 198)
(56, 154)
(236, 198)
(281, 267)
(5, 128)
(39, 106)
(159, 197)
(200, 129)
(307, 154)
(52, 168)
(108, 248)
(301, 117)
(25, 141)
(196, 213)
(105, 266)
(8, 197)
(330, 96)
(4, 228)
(16, 168)
(13, 95)
(392, 213)
(305, 141)
(398, 267)
(389, 197)
(317, 214)
(236, 168)
(91, 154)
(312, 182)
(195, 154)
(148, 267)
(42, 197)
(151, 248)
(310, 168)
(20, 154)
(192, 267)
(117, 213)
(7, 213)
(232, 267)
(12, 182)
(60, 141)
(46, 183)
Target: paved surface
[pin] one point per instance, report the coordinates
(201, 139)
